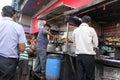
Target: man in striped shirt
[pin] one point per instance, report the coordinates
(23, 62)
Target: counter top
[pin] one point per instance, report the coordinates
(56, 52)
(61, 52)
(106, 60)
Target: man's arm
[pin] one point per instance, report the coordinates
(95, 39)
(21, 47)
(21, 40)
(73, 38)
(49, 33)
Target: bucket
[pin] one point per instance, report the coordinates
(53, 67)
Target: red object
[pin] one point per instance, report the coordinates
(76, 3)
(70, 3)
(52, 6)
(34, 27)
(37, 25)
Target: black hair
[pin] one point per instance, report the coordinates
(75, 20)
(47, 25)
(8, 11)
(86, 19)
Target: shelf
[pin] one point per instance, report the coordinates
(57, 32)
(117, 46)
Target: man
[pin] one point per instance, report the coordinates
(12, 39)
(42, 42)
(23, 62)
(85, 39)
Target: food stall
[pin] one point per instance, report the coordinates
(53, 14)
(106, 22)
(105, 14)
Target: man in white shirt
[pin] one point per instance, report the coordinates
(85, 39)
(12, 40)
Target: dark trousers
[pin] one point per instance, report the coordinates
(85, 67)
(7, 68)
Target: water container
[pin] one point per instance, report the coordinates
(53, 67)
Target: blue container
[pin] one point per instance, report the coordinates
(53, 67)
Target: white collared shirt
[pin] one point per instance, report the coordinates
(85, 38)
(11, 34)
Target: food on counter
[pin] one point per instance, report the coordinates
(63, 40)
(117, 44)
(113, 39)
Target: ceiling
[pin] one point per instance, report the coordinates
(57, 15)
(33, 6)
(103, 13)
(106, 12)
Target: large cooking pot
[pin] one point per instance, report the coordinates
(70, 47)
(51, 47)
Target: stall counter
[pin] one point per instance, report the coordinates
(105, 69)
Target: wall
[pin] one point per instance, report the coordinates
(64, 27)
(54, 26)
(97, 28)
(26, 22)
(112, 29)
(95, 25)
(25, 19)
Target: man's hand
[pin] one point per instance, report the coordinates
(21, 47)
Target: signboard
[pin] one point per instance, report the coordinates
(76, 3)
(36, 25)
(41, 23)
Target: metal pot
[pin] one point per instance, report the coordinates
(70, 47)
(64, 48)
(51, 47)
